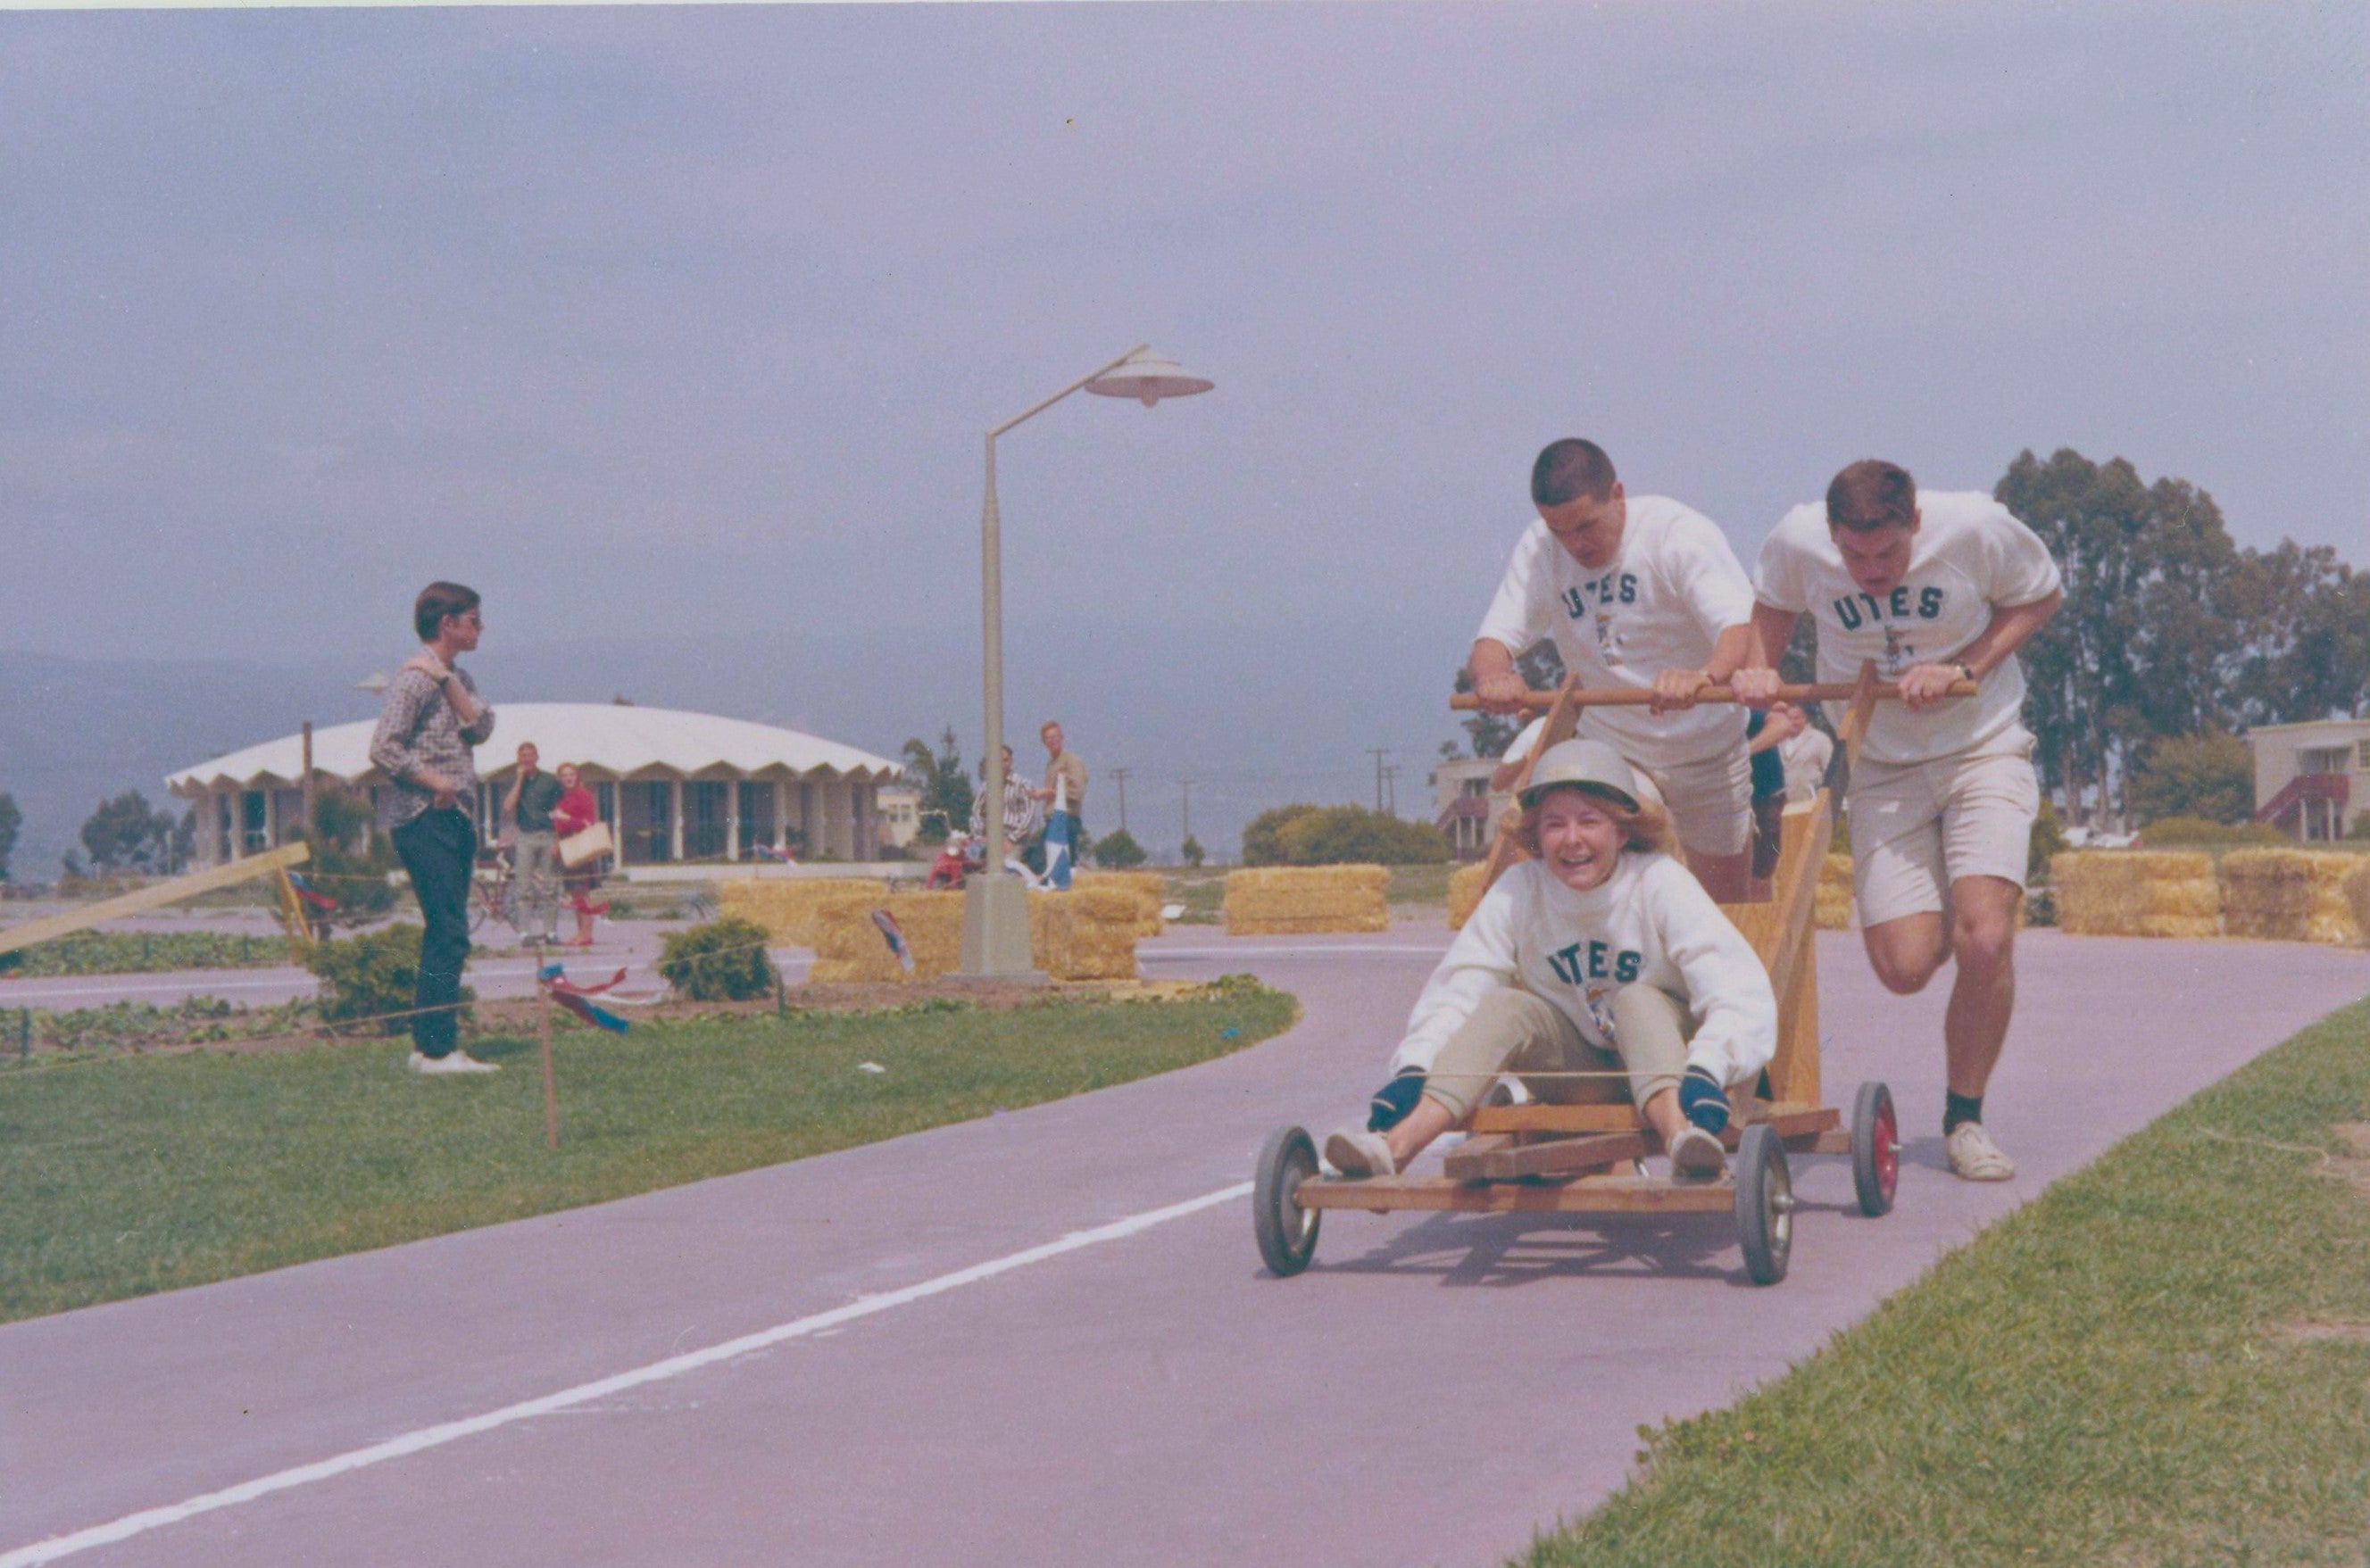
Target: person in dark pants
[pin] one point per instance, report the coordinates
(430, 718)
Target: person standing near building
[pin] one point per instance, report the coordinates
(1937, 587)
(529, 803)
(429, 719)
(1065, 794)
(1642, 592)
(576, 809)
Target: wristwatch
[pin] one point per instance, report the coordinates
(1966, 670)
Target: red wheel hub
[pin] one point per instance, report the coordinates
(1888, 1150)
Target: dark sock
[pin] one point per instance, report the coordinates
(1957, 1108)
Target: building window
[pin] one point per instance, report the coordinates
(604, 801)
(251, 829)
(2321, 759)
(2362, 754)
(658, 813)
(703, 819)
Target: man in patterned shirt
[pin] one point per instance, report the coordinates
(430, 718)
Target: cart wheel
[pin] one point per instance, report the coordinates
(1764, 1204)
(1876, 1149)
(1287, 1232)
(1502, 1095)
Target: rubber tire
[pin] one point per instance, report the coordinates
(1766, 1232)
(1876, 1171)
(1286, 1232)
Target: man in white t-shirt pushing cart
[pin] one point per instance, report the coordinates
(1938, 588)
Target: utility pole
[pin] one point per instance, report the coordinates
(1391, 779)
(1188, 785)
(1119, 776)
(1379, 753)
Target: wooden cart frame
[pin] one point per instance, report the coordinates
(1585, 1159)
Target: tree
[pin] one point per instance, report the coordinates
(11, 822)
(2305, 615)
(945, 790)
(1192, 851)
(1119, 850)
(123, 834)
(1542, 668)
(1338, 835)
(2208, 774)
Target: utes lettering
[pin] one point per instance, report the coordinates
(1865, 609)
(1572, 968)
(1612, 588)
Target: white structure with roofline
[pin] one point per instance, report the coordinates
(672, 785)
(2311, 779)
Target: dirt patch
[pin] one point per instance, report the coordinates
(2321, 1331)
(2352, 1167)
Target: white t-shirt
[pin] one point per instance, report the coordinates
(1805, 757)
(1662, 602)
(1651, 921)
(1971, 556)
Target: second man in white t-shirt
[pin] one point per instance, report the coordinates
(1642, 592)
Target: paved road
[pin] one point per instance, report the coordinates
(923, 1379)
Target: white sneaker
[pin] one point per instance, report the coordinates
(1360, 1154)
(453, 1061)
(1696, 1155)
(1974, 1157)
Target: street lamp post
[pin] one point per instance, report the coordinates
(996, 906)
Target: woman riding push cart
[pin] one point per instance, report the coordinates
(1643, 1019)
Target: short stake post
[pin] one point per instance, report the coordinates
(550, 1083)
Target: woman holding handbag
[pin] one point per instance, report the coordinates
(577, 811)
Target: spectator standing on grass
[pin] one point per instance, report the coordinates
(429, 719)
(1022, 817)
(1935, 587)
(576, 811)
(529, 802)
(1065, 796)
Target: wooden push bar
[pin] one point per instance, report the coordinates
(1634, 697)
(155, 896)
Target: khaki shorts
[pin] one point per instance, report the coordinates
(1710, 801)
(1916, 829)
(1515, 1031)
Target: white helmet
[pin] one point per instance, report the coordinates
(1589, 764)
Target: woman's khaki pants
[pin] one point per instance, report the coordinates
(1516, 1032)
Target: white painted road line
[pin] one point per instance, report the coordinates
(131, 1525)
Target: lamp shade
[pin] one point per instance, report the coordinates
(1148, 377)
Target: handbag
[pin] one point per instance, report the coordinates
(590, 844)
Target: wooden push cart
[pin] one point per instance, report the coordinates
(1585, 1159)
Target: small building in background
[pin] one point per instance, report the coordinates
(673, 786)
(1461, 792)
(897, 808)
(2312, 780)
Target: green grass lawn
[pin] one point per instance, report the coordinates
(130, 1174)
(2149, 1364)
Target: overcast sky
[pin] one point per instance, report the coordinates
(689, 321)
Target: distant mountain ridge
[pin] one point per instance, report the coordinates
(1257, 715)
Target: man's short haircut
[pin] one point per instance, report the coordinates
(437, 600)
(1570, 469)
(1049, 724)
(1871, 494)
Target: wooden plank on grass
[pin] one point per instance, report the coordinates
(155, 896)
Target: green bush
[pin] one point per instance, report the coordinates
(368, 977)
(2199, 833)
(1118, 850)
(1340, 835)
(2209, 774)
(1193, 854)
(724, 960)
(2048, 839)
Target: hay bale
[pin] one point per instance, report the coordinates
(1087, 933)
(2137, 893)
(1275, 900)
(789, 908)
(1150, 888)
(2290, 896)
(1465, 893)
(2356, 888)
(1832, 903)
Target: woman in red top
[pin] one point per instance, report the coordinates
(578, 810)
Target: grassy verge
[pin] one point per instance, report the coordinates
(144, 952)
(2147, 1365)
(127, 1175)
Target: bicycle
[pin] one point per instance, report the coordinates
(493, 890)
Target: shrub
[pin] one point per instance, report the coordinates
(2209, 774)
(2198, 831)
(2048, 839)
(1119, 850)
(1340, 835)
(724, 960)
(367, 977)
(1193, 854)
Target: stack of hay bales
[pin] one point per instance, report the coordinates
(2137, 893)
(1464, 891)
(1150, 889)
(1832, 902)
(2289, 896)
(2356, 888)
(791, 908)
(1283, 900)
(1087, 933)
